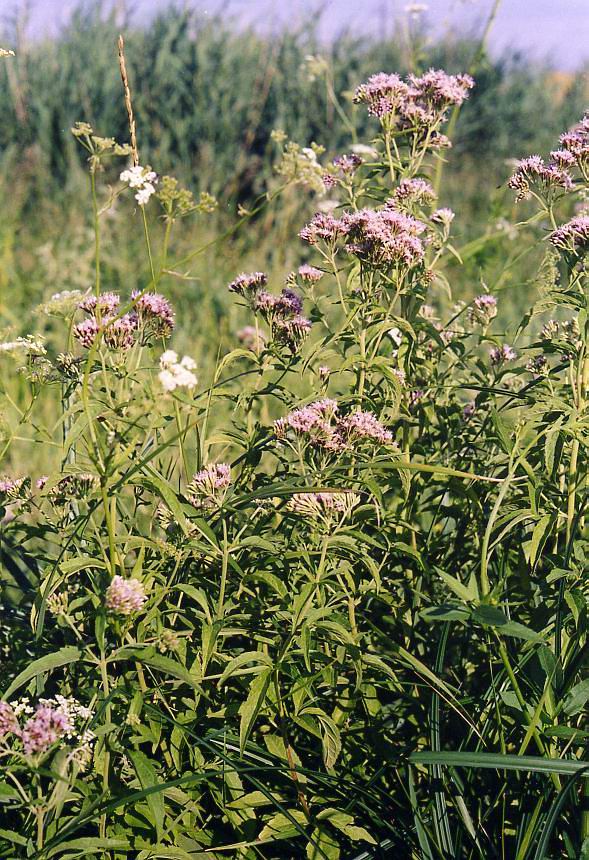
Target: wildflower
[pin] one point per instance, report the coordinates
(125, 596)
(8, 720)
(399, 373)
(441, 89)
(361, 426)
(501, 354)
(77, 486)
(176, 374)
(120, 333)
(534, 171)
(314, 421)
(86, 332)
(414, 191)
(41, 481)
(483, 310)
(382, 93)
(572, 236)
(538, 366)
(13, 488)
(247, 285)
(310, 274)
(251, 338)
(348, 163)
(323, 372)
(55, 720)
(571, 330)
(362, 149)
(209, 486)
(57, 603)
(32, 345)
(321, 227)
(105, 304)
(384, 236)
(300, 164)
(154, 313)
(291, 332)
(142, 180)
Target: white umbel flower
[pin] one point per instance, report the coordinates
(176, 374)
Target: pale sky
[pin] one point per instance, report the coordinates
(557, 30)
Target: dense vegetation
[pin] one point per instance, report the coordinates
(293, 568)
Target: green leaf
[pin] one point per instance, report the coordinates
(148, 657)
(464, 592)
(66, 655)
(258, 657)
(283, 825)
(497, 761)
(89, 844)
(148, 777)
(252, 705)
(577, 698)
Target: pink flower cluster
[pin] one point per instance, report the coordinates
(152, 314)
(125, 596)
(411, 191)
(320, 424)
(52, 720)
(247, 285)
(209, 487)
(347, 163)
(376, 236)
(73, 487)
(384, 236)
(575, 146)
(572, 236)
(13, 488)
(501, 354)
(483, 309)
(534, 172)
(251, 338)
(309, 274)
(414, 104)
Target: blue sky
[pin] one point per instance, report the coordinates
(557, 30)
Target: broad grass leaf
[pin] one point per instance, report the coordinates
(258, 657)
(85, 845)
(148, 777)
(66, 655)
(158, 661)
(577, 698)
(250, 709)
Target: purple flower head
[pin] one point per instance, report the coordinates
(501, 354)
(538, 365)
(483, 309)
(315, 505)
(314, 421)
(106, 303)
(384, 236)
(329, 181)
(382, 93)
(469, 410)
(414, 191)
(321, 227)
(155, 313)
(347, 163)
(125, 596)
(572, 236)
(362, 426)
(120, 333)
(289, 303)
(441, 89)
(48, 725)
(13, 488)
(73, 487)
(534, 171)
(310, 274)
(8, 720)
(86, 332)
(248, 285)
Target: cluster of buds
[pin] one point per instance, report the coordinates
(14, 489)
(324, 506)
(300, 164)
(283, 312)
(208, 488)
(500, 355)
(483, 310)
(533, 173)
(77, 487)
(572, 237)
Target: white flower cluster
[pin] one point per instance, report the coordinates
(141, 179)
(31, 344)
(176, 374)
